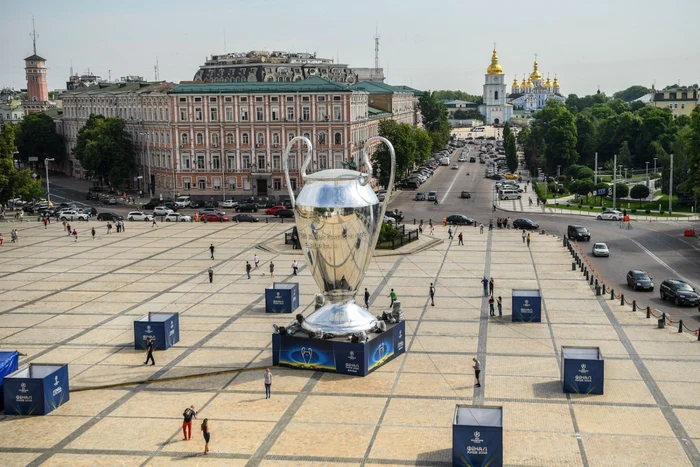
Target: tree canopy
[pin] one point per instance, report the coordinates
(458, 95)
(632, 93)
(435, 119)
(13, 182)
(105, 150)
(37, 137)
(511, 152)
(411, 145)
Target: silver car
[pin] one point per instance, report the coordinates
(600, 249)
(610, 215)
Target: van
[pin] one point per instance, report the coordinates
(432, 195)
(509, 194)
(444, 160)
(578, 232)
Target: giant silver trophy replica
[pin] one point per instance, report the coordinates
(338, 218)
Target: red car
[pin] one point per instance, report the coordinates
(273, 210)
(213, 217)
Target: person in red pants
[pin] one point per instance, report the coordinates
(188, 415)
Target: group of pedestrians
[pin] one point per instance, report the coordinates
(503, 222)
(488, 285)
(526, 238)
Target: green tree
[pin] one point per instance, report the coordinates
(15, 183)
(555, 125)
(618, 106)
(511, 152)
(585, 186)
(458, 95)
(656, 125)
(631, 93)
(586, 139)
(435, 119)
(639, 192)
(37, 137)
(424, 145)
(693, 147)
(621, 190)
(105, 150)
(401, 136)
(624, 156)
(506, 130)
(471, 114)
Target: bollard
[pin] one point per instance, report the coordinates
(597, 290)
(612, 294)
(662, 321)
(680, 326)
(587, 274)
(563, 241)
(591, 281)
(573, 265)
(603, 289)
(648, 312)
(266, 220)
(596, 282)
(414, 221)
(622, 299)
(634, 305)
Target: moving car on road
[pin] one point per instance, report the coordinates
(206, 211)
(525, 224)
(639, 280)
(432, 195)
(285, 213)
(139, 216)
(177, 217)
(245, 218)
(578, 232)
(679, 291)
(465, 194)
(109, 216)
(455, 167)
(73, 216)
(213, 217)
(600, 249)
(610, 215)
(162, 211)
(274, 209)
(247, 207)
(459, 219)
(229, 203)
(420, 196)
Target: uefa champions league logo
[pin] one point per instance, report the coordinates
(148, 329)
(278, 295)
(23, 388)
(306, 354)
(352, 355)
(527, 303)
(381, 351)
(56, 382)
(400, 334)
(583, 369)
(477, 438)
(172, 324)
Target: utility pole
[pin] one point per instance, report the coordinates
(595, 171)
(614, 181)
(670, 187)
(48, 190)
(655, 165)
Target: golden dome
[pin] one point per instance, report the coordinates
(547, 83)
(515, 83)
(556, 82)
(494, 68)
(535, 73)
(526, 84)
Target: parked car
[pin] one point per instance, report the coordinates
(109, 216)
(73, 216)
(389, 220)
(229, 203)
(578, 232)
(639, 280)
(213, 217)
(420, 197)
(459, 219)
(396, 215)
(600, 249)
(151, 205)
(432, 195)
(183, 202)
(162, 211)
(245, 218)
(525, 224)
(455, 167)
(610, 215)
(206, 211)
(274, 209)
(170, 204)
(92, 196)
(679, 291)
(177, 217)
(139, 216)
(247, 207)
(285, 213)
(510, 176)
(465, 194)
(110, 200)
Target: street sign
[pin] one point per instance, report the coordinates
(34, 176)
(590, 194)
(609, 191)
(33, 159)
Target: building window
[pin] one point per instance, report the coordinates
(274, 98)
(259, 114)
(244, 114)
(183, 114)
(244, 139)
(186, 161)
(246, 161)
(275, 114)
(290, 114)
(228, 99)
(229, 138)
(200, 161)
(212, 99)
(202, 184)
(276, 160)
(215, 139)
(260, 139)
(682, 106)
(275, 139)
(212, 114)
(305, 113)
(261, 161)
(290, 136)
(231, 182)
(244, 99)
(258, 99)
(200, 139)
(293, 182)
(338, 138)
(338, 160)
(215, 162)
(198, 114)
(216, 183)
(321, 112)
(277, 184)
(336, 98)
(336, 112)
(198, 99)
(322, 161)
(229, 114)
(322, 138)
(187, 183)
(184, 138)
(292, 161)
(290, 99)
(183, 99)
(230, 162)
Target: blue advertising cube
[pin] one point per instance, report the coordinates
(36, 390)
(527, 306)
(9, 363)
(477, 436)
(163, 328)
(582, 370)
(282, 298)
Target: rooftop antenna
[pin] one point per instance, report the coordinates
(157, 70)
(33, 35)
(109, 75)
(71, 67)
(376, 50)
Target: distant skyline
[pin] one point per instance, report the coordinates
(441, 44)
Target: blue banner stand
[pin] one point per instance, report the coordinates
(339, 355)
(527, 306)
(477, 436)
(282, 298)
(163, 328)
(582, 370)
(9, 363)
(36, 390)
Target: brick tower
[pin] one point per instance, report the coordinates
(37, 87)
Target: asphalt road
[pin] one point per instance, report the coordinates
(657, 247)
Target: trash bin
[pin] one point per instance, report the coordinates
(597, 290)
(662, 322)
(573, 265)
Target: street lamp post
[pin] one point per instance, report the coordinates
(615, 181)
(655, 165)
(558, 171)
(48, 190)
(625, 173)
(647, 177)
(670, 187)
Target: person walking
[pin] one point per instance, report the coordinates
(485, 283)
(528, 239)
(1, 240)
(491, 311)
(491, 284)
(490, 225)
(449, 232)
(123, 226)
(477, 372)
(444, 221)
(366, 297)
(432, 294)
(119, 226)
(69, 230)
(64, 226)
(149, 351)
(211, 250)
(46, 222)
(187, 416)
(109, 228)
(268, 383)
(524, 235)
(256, 261)
(295, 267)
(93, 233)
(461, 238)
(481, 228)
(154, 223)
(75, 235)
(248, 267)
(207, 435)
(392, 296)
(499, 303)
(432, 229)
(272, 269)
(211, 274)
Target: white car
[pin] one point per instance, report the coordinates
(610, 215)
(177, 217)
(455, 167)
(229, 203)
(183, 202)
(162, 211)
(600, 249)
(139, 216)
(73, 216)
(389, 220)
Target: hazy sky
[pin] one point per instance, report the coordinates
(437, 44)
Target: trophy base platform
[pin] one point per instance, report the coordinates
(339, 355)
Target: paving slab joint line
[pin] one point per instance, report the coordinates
(482, 340)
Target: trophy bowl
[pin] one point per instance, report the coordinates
(338, 218)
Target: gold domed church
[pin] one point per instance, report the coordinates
(495, 109)
(533, 92)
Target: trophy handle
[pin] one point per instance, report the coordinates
(365, 155)
(307, 161)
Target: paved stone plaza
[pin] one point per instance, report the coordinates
(75, 303)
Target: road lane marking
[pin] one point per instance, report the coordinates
(444, 197)
(662, 263)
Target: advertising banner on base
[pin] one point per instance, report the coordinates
(527, 306)
(163, 328)
(582, 370)
(339, 356)
(477, 436)
(282, 298)
(36, 390)
(9, 363)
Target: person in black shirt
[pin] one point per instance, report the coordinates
(211, 249)
(149, 350)
(188, 415)
(366, 298)
(248, 267)
(432, 294)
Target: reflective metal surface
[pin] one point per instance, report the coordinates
(338, 218)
